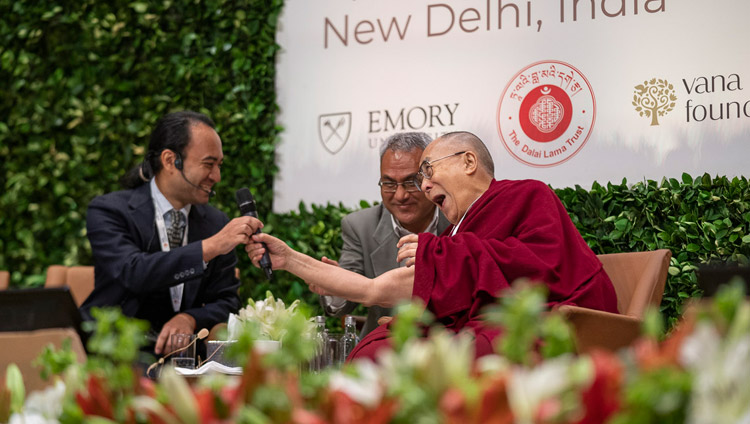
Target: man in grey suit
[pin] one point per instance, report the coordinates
(370, 235)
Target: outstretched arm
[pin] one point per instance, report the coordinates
(385, 290)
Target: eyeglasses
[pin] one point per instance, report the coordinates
(425, 169)
(410, 185)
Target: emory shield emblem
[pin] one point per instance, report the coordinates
(334, 129)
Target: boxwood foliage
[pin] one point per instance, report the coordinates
(81, 85)
(699, 220)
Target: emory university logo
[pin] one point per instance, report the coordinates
(546, 113)
(334, 129)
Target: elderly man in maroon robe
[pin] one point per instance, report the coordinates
(502, 231)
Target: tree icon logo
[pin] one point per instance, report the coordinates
(654, 98)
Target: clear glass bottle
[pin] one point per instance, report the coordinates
(319, 361)
(349, 339)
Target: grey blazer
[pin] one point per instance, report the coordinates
(370, 250)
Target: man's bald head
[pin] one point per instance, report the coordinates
(464, 140)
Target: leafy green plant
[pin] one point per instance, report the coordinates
(81, 86)
(699, 220)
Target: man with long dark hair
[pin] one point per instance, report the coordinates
(161, 253)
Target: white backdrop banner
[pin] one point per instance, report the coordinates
(563, 91)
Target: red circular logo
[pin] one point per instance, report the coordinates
(546, 113)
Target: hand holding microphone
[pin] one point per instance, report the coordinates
(246, 203)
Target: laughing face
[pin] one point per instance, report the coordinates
(443, 188)
(412, 210)
(203, 158)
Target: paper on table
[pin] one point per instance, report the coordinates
(210, 367)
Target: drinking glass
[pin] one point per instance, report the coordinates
(183, 350)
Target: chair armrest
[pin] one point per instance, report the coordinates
(216, 331)
(600, 330)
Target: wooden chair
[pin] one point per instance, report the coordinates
(4, 280)
(23, 347)
(639, 280)
(55, 276)
(80, 279)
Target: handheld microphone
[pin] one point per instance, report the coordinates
(246, 203)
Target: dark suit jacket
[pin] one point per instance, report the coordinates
(370, 250)
(133, 273)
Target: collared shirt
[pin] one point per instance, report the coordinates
(164, 206)
(401, 231)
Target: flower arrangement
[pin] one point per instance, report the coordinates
(270, 315)
(694, 375)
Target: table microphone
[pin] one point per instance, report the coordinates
(200, 336)
(246, 203)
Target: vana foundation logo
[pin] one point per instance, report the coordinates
(546, 113)
(654, 98)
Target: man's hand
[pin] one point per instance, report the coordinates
(278, 251)
(407, 249)
(237, 231)
(329, 261)
(181, 323)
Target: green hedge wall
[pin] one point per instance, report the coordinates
(82, 84)
(698, 219)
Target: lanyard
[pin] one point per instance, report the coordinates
(161, 228)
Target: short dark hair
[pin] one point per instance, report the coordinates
(172, 132)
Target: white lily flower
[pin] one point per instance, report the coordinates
(365, 388)
(42, 406)
(441, 361)
(720, 370)
(270, 314)
(528, 388)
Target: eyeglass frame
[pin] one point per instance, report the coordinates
(421, 175)
(413, 180)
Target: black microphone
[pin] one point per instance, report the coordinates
(246, 203)
(211, 193)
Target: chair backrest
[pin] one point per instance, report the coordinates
(638, 278)
(4, 280)
(80, 279)
(22, 347)
(56, 275)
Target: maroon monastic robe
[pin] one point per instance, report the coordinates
(516, 229)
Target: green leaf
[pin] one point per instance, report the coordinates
(622, 224)
(14, 383)
(139, 7)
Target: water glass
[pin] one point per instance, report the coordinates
(183, 350)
